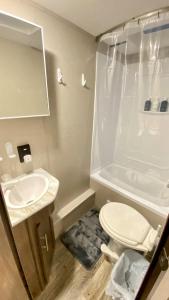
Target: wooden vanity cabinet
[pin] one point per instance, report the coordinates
(34, 239)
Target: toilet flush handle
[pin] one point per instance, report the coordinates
(158, 229)
(154, 236)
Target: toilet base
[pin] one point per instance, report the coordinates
(113, 251)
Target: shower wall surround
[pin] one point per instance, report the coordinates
(130, 143)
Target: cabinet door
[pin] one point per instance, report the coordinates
(27, 258)
(46, 243)
(41, 237)
(10, 281)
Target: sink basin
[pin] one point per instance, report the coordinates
(25, 190)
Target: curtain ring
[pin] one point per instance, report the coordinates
(158, 14)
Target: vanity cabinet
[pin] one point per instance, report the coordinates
(34, 239)
(42, 237)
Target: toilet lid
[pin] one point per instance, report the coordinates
(124, 222)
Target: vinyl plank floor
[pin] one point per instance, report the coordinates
(69, 280)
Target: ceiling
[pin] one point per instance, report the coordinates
(96, 16)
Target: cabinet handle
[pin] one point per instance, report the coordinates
(44, 239)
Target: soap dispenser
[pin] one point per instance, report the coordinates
(9, 150)
(12, 162)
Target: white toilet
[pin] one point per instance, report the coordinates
(127, 227)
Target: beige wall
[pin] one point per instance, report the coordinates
(60, 143)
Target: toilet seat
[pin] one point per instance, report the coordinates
(127, 226)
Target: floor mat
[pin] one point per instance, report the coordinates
(84, 239)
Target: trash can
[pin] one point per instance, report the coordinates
(127, 276)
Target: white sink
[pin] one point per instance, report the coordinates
(26, 190)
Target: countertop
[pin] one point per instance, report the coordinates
(18, 215)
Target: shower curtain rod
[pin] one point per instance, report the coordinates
(138, 18)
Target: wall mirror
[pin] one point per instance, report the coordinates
(23, 85)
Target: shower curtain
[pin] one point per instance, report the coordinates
(131, 117)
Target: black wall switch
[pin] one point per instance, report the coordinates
(22, 151)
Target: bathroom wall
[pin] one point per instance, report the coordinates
(60, 143)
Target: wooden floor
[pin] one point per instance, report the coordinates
(70, 281)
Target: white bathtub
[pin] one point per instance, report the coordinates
(143, 188)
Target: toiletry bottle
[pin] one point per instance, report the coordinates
(155, 104)
(164, 105)
(147, 104)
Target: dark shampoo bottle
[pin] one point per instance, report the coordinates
(147, 105)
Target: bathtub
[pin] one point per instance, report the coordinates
(141, 187)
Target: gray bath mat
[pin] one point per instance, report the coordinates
(84, 239)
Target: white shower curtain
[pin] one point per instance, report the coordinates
(131, 118)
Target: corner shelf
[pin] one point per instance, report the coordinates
(155, 113)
